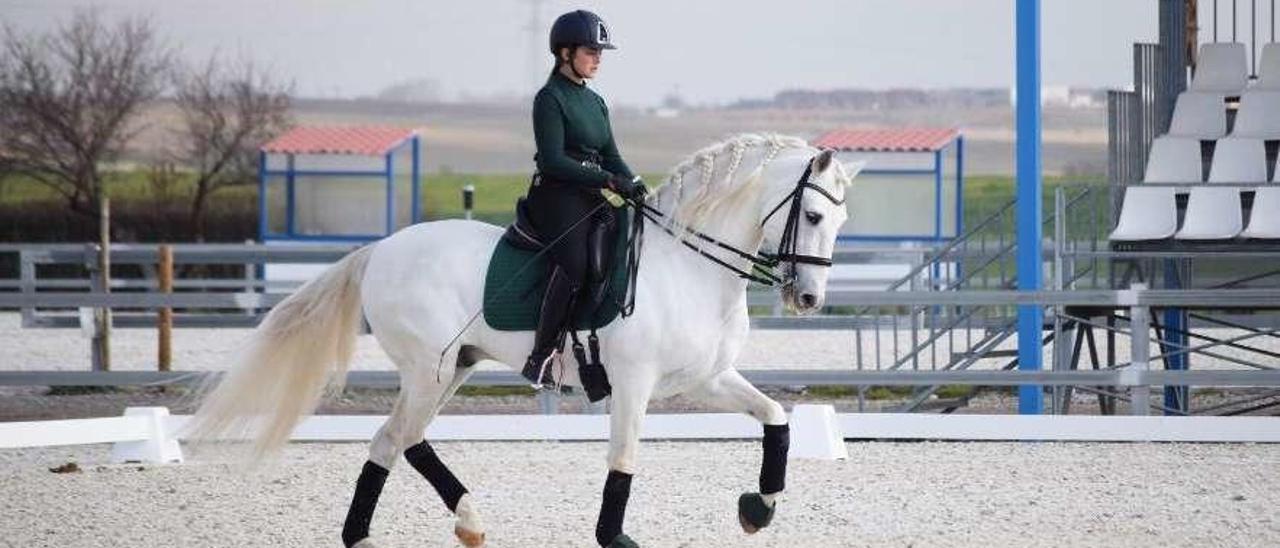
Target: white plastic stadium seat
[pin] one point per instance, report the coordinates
(1239, 160)
(1199, 115)
(1174, 160)
(1151, 213)
(1259, 115)
(1222, 68)
(1269, 68)
(1265, 220)
(1148, 213)
(1213, 213)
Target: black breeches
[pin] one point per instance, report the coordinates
(585, 245)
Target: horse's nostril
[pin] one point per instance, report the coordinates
(808, 300)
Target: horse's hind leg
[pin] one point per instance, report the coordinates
(729, 391)
(421, 397)
(423, 458)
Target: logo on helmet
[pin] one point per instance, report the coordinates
(602, 33)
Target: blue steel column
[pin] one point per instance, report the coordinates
(1030, 274)
(416, 208)
(937, 194)
(1175, 326)
(262, 195)
(290, 210)
(959, 186)
(391, 196)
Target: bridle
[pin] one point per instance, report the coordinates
(787, 245)
(762, 264)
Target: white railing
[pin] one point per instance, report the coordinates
(150, 434)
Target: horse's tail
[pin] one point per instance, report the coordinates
(304, 344)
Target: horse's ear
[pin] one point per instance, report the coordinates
(823, 160)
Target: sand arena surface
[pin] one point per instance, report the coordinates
(547, 494)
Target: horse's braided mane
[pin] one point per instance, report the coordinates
(710, 177)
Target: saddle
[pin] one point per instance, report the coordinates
(517, 277)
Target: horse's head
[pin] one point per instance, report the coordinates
(801, 216)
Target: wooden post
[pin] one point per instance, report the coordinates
(164, 348)
(104, 280)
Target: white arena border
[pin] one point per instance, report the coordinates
(150, 434)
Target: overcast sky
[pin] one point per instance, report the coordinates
(709, 50)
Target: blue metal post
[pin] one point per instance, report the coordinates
(937, 213)
(959, 198)
(391, 196)
(417, 180)
(262, 196)
(1175, 325)
(290, 210)
(959, 185)
(937, 194)
(1029, 272)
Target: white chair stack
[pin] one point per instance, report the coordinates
(1213, 212)
(1259, 115)
(1269, 68)
(1199, 115)
(1223, 68)
(1151, 212)
(1264, 222)
(1240, 157)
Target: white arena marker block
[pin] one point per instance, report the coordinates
(161, 447)
(815, 433)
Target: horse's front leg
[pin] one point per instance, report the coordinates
(628, 404)
(728, 391)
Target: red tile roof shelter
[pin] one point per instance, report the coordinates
(357, 140)
(339, 183)
(899, 164)
(888, 140)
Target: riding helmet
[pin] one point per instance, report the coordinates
(579, 28)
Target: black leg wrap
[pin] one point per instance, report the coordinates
(773, 468)
(595, 381)
(368, 488)
(617, 489)
(423, 459)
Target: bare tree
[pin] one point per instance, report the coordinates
(69, 101)
(227, 113)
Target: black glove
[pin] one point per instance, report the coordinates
(640, 192)
(632, 188)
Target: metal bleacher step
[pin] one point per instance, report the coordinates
(1007, 353)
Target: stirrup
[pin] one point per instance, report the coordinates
(544, 380)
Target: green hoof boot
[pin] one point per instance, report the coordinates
(753, 513)
(623, 541)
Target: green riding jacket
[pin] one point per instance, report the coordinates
(569, 118)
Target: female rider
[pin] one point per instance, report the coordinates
(576, 158)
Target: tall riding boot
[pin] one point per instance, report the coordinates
(557, 303)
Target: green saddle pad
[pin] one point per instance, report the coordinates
(517, 278)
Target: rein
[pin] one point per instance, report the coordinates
(762, 263)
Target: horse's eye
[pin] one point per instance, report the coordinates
(813, 217)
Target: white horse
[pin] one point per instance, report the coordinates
(419, 287)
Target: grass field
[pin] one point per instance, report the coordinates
(495, 193)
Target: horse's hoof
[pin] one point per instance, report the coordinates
(753, 513)
(468, 538)
(622, 541)
(364, 543)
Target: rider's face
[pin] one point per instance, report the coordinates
(586, 61)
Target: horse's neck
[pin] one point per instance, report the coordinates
(732, 224)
